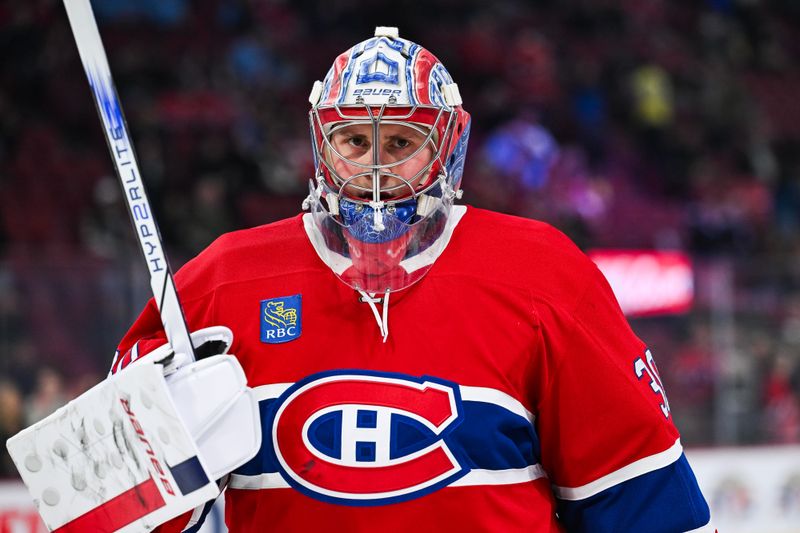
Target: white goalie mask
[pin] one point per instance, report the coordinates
(389, 138)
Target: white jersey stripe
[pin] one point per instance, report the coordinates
(496, 397)
(637, 468)
(272, 480)
(271, 391)
(474, 477)
(470, 394)
(135, 352)
(500, 477)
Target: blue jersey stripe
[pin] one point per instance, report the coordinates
(488, 437)
(666, 500)
(493, 438)
(265, 460)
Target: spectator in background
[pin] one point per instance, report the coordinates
(652, 107)
(787, 199)
(21, 364)
(590, 109)
(781, 403)
(10, 422)
(103, 230)
(690, 376)
(531, 70)
(652, 97)
(162, 12)
(208, 212)
(46, 398)
(523, 152)
(12, 323)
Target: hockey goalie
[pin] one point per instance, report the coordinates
(509, 395)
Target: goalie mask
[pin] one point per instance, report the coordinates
(389, 138)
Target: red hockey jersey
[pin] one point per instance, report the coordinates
(510, 394)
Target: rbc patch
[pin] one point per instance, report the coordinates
(281, 319)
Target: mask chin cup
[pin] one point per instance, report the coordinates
(377, 222)
(378, 246)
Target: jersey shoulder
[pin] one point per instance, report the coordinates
(511, 229)
(522, 252)
(278, 248)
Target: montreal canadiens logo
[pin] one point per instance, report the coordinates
(366, 438)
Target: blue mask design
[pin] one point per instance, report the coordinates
(359, 220)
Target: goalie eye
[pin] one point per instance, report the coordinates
(358, 141)
(400, 143)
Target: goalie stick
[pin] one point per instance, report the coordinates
(141, 447)
(115, 129)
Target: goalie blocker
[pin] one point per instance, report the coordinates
(140, 447)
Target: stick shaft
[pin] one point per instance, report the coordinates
(115, 129)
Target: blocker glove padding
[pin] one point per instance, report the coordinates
(149, 444)
(212, 396)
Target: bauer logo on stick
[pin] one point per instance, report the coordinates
(280, 319)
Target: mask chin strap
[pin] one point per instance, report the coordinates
(381, 319)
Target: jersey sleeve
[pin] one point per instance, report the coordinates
(608, 441)
(145, 335)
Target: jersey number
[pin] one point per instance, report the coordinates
(640, 366)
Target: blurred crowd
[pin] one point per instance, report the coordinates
(669, 124)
